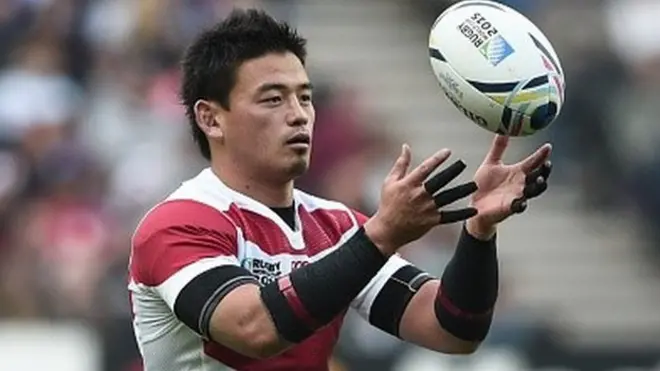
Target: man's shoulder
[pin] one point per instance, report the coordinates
(190, 227)
(195, 203)
(182, 213)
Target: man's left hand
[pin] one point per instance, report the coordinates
(504, 190)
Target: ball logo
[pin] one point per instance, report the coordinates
(479, 120)
(451, 84)
(486, 38)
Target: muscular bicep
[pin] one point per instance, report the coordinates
(241, 322)
(196, 303)
(224, 305)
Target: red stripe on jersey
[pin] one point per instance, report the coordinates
(286, 287)
(361, 218)
(324, 228)
(176, 234)
(262, 231)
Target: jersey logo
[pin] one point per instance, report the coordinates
(264, 271)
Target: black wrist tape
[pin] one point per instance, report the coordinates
(312, 296)
(467, 295)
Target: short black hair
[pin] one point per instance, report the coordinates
(210, 63)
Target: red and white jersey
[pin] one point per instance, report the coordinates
(205, 224)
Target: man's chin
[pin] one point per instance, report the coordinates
(298, 168)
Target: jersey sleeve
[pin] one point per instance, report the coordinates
(179, 241)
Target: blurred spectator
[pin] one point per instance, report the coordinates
(635, 37)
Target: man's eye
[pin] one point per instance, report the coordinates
(306, 98)
(272, 100)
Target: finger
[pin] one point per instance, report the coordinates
(449, 196)
(401, 165)
(519, 205)
(536, 159)
(546, 170)
(422, 171)
(542, 172)
(453, 216)
(535, 189)
(497, 149)
(443, 178)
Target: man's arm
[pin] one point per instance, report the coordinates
(454, 315)
(451, 315)
(263, 321)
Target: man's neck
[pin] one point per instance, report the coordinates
(271, 194)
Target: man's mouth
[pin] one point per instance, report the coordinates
(299, 139)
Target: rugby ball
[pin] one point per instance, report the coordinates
(497, 67)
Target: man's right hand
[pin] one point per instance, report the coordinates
(411, 205)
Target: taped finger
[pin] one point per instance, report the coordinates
(454, 194)
(519, 205)
(453, 216)
(535, 190)
(442, 178)
(542, 172)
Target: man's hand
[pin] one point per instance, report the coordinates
(412, 203)
(503, 190)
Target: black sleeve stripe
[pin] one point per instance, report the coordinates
(197, 300)
(391, 302)
(214, 300)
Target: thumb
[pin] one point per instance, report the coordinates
(497, 148)
(401, 165)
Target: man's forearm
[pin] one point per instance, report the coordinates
(314, 295)
(468, 292)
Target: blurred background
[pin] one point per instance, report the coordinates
(91, 135)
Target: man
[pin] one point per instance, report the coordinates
(238, 268)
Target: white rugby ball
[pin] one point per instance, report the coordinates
(497, 67)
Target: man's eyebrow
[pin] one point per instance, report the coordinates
(281, 87)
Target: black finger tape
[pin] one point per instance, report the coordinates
(454, 194)
(453, 216)
(445, 176)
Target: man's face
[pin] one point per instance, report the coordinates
(268, 128)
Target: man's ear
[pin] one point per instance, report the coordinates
(210, 118)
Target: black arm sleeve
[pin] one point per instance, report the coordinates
(312, 296)
(198, 299)
(464, 303)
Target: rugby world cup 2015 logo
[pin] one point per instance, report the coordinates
(486, 38)
(496, 50)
